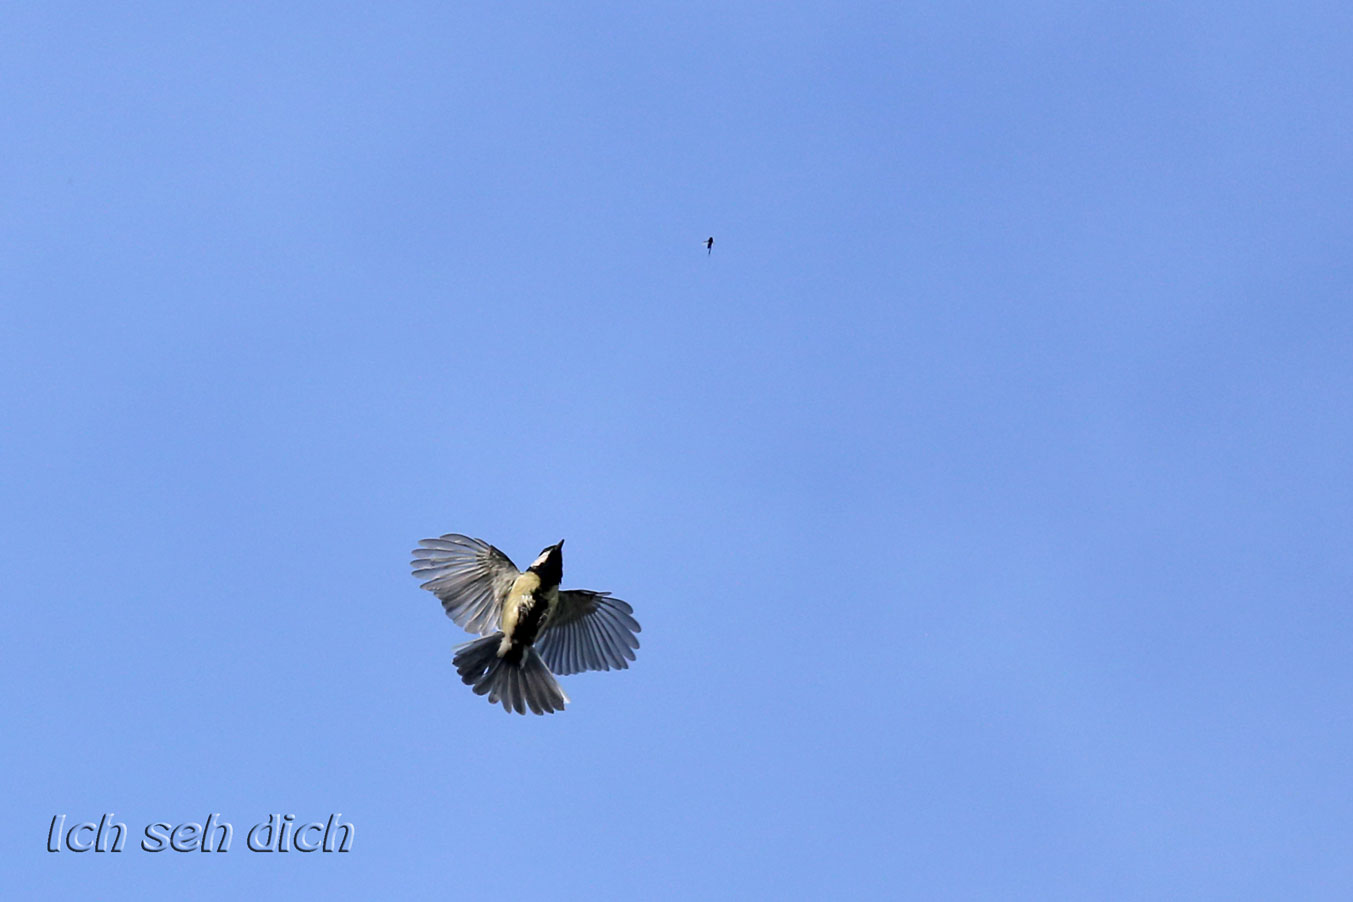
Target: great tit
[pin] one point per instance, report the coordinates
(532, 629)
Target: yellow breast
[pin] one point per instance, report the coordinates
(520, 593)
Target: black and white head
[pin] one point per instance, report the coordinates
(550, 564)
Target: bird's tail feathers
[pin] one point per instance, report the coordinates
(516, 681)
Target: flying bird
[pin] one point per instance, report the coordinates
(709, 245)
(532, 629)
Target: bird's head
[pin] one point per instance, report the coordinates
(550, 564)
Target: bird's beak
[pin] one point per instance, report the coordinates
(560, 546)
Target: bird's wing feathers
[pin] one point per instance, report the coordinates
(470, 576)
(589, 631)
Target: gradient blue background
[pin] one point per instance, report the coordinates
(984, 496)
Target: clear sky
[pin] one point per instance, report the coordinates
(984, 495)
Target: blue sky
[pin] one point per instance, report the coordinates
(984, 495)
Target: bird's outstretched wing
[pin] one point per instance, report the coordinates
(470, 576)
(589, 631)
